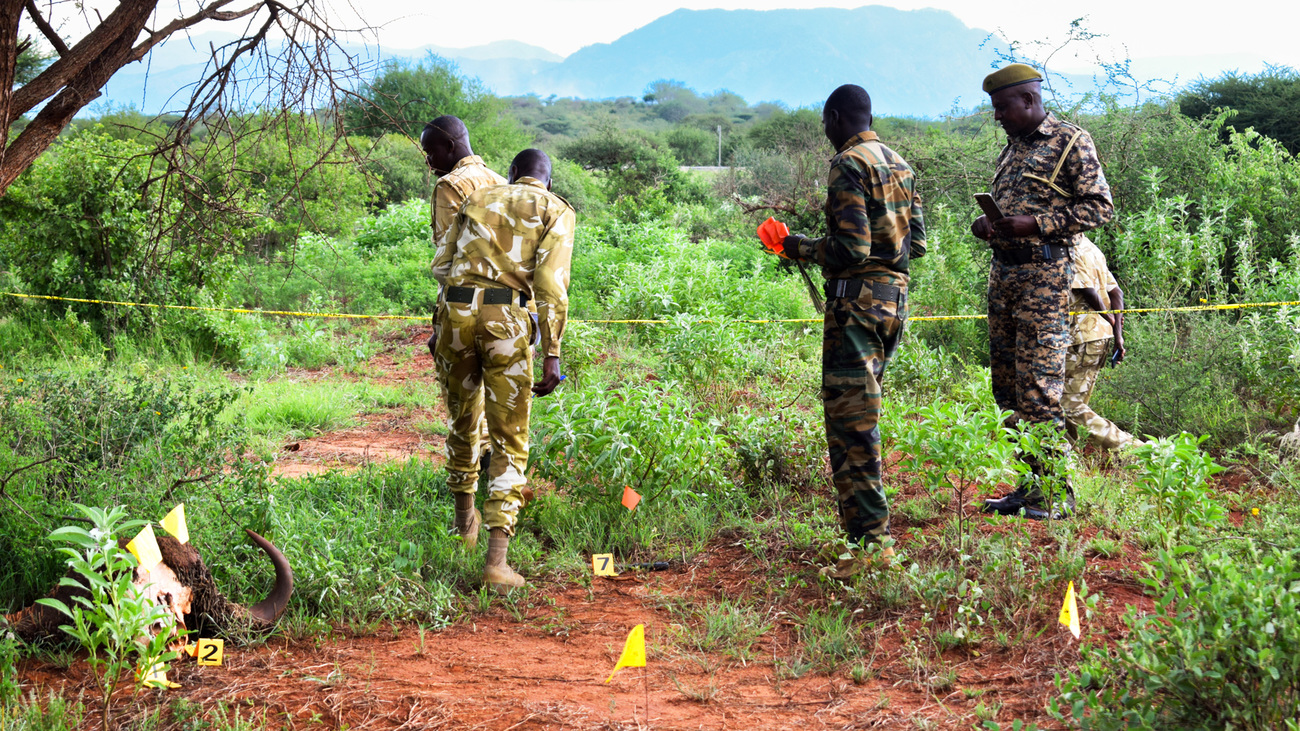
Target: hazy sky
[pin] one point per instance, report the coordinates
(1256, 30)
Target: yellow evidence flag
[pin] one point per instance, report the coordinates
(145, 549)
(174, 523)
(633, 651)
(1070, 611)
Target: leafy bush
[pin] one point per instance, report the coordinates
(1173, 475)
(646, 436)
(83, 222)
(1220, 650)
(113, 621)
(956, 449)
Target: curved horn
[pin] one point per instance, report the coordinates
(269, 609)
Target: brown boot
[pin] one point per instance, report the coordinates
(496, 573)
(856, 561)
(468, 520)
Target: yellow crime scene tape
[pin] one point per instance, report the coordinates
(338, 315)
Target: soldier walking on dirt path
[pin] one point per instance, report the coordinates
(874, 227)
(507, 247)
(1049, 188)
(1091, 338)
(447, 152)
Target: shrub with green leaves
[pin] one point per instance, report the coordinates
(1173, 476)
(1221, 650)
(112, 619)
(956, 448)
(645, 436)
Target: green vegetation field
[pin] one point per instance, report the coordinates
(1183, 554)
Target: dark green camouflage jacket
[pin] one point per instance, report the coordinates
(1054, 175)
(873, 215)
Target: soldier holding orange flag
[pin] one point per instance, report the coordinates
(874, 227)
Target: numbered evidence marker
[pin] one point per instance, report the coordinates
(156, 677)
(145, 549)
(210, 652)
(602, 564)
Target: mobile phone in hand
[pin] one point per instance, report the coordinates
(1114, 358)
(989, 206)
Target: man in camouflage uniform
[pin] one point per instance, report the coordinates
(1091, 335)
(508, 246)
(1050, 189)
(460, 172)
(873, 228)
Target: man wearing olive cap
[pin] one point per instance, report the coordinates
(1050, 189)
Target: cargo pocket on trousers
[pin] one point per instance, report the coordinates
(1050, 358)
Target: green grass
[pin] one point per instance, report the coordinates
(301, 409)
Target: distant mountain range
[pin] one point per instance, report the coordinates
(920, 63)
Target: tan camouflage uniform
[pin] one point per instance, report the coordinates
(451, 190)
(874, 227)
(507, 242)
(1090, 344)
(1052, 174)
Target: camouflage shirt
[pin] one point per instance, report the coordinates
(1090, 271)
(449, 193)
(1052, 174)
(518, 236)
(873, 215)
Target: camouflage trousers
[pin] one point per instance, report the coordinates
(1082, 364)
(485, 364)
(442, 388)
(860, 336)
(1028, 336)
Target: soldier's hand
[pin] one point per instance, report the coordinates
(550, 376)
(982, 228)
(1120, 352)
(433, 344)
(1016, 227)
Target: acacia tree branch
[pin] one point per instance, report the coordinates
(86, 59)
(211, 12)
(46, 29)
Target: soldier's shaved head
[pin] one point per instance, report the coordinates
(847, 112)
(531, 163)
(850, 100)
(445, 142)
(448, 127)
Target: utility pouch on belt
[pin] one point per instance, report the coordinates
(851, 289)
(537, 331)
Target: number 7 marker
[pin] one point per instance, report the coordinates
(602, 564)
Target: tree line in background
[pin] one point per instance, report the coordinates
(1204, 202)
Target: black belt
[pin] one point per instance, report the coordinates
(852, 289)
(493, 296)
(1042, 252)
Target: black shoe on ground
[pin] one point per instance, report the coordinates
(1019, 502)
(1008, 504)
(1038, 511)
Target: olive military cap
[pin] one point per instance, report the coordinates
(1013, 75)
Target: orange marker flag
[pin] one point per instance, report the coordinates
(1070, 611)
(633, 651)
(630, 498)
(772, 233)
